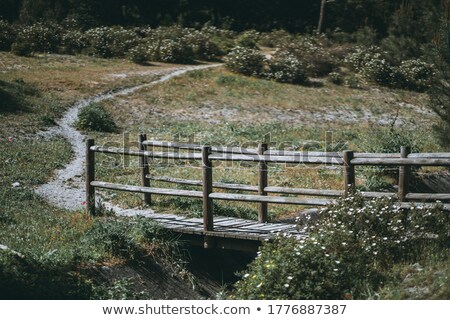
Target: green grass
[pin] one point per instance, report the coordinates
(60, 249)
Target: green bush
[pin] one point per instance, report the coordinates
(350, 252)
(276, 38)
(73, 42)
(315, 53)
(336, 78)
(7, 35)
(107, 42)
(249, 62)
(365, 36)
(140, 54)
(94, 117)
(38, 37)
(415, 75)
(372, 63)
(224, 39)
(400, 48)
(174, 51)
(201, 45)
(284, 67)
(248, 39)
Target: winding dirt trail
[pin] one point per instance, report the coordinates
(66, 190)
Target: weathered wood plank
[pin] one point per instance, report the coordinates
(198, 147)
(90, 176)
(444, 155)
(262, 184)
(402, 162)
(374, 194)
(270, 199)
(149, 154)
(276, 159)
(309, 192)
(428, 196)
(143, 164)
(160, 191)
(219, 185)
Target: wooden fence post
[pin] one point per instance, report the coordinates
(262, 184)
(404, 174)
(143, 164)
(90, 176)
(349, 172)
(208, 222)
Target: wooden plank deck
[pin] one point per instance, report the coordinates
(225, 227)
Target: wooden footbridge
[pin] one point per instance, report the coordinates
(233, 233)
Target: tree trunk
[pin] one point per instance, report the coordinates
(322, 10)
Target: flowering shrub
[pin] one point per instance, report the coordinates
(38, 37)
(313, 51)
(372, 64)
(73, 41)
(7, 35)
(175, 51)
(108, 42)
(415, 74)
(249, 62)
(284, 67)
(349, 251)
(201, 45)
(358, 59)
(248, 39)
(140, 53)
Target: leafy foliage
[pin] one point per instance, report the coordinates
(284, 67)
(350, 251)
(94, 117)
(415, 75)
(7, 35)
(246, 61)
(38, 37)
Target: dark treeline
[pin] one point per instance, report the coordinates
(262, 15)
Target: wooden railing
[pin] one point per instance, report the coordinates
(262, 156)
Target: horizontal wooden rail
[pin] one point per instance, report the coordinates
(219, 185)
(150, 190)
(299, 159)
(270, 199)
(306, 192)
(292, 153)
(276, 159)
(428, 196)
(444, 155)
(328, 154)
(198, 147)
(401, 162)
(149, 154)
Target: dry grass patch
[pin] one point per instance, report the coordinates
(217, 96)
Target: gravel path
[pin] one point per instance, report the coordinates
(66, 190)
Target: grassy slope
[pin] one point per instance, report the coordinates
(62, 250)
